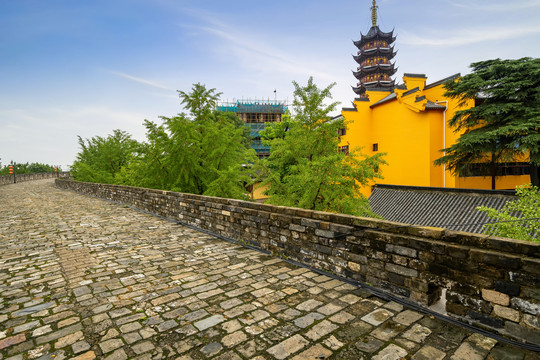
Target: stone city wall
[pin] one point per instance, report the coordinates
(490, 282)
(8, 179)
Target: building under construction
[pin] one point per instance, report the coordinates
(256, 114)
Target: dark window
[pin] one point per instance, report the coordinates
(503, 169)
(342, 132)
(376, 147)
(344, 149)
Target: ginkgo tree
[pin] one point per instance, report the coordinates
(305, 168)
(202, 151)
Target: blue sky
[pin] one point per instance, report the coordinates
(85, 68)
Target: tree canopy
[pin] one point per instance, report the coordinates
(102, 159)
(305, 168)
(505, 123)
(27, 168)
(201, 152)
(509, 219)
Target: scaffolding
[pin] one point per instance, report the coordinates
(256, 114)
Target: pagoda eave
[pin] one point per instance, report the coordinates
(388, 70)
(374, 33)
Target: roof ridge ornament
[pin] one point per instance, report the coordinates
(374, 13)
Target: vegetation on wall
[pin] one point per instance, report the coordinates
(505, 123)
(508, 218)
(305, 168)
(202, 152)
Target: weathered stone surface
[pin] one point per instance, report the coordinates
(408, 317)
(429, 353)
(526, 306)
(315, 352)
(506, 313)
(100, 280)
(12, 340)
(496, 297)
(288, 347)
(377, 317)
(391, 352)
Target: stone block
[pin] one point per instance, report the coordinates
(401, 250)
(401, 270)
(395, 289)
(532, 266)
(496, 259)
(495, 297)
(298, 228)
(485, 319)
(288, 347)
(506, 313)
(532, 321)
(522, 332)
(526, 306)
(507, 288)
(324, 233)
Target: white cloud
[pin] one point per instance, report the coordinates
(468, 36)
(492, 6)
(251, 49)
(140, 80)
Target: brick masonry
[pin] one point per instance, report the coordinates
(491, 282)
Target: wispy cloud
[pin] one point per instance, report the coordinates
(490, 5)
(140, 80)
(251, 48)
(468, 36)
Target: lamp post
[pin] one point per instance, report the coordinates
(12, 173)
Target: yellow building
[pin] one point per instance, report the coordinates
(408, 122)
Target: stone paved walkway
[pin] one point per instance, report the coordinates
(83, 278)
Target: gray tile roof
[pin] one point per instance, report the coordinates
(437, 207)
(442, 81)
(433, 106)
(391, 96)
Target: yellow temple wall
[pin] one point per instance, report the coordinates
(412, 138)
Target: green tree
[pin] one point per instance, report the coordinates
(526, 207)
(27, 168)
(505, 123)
(102, 159)
(305, 168)
(203, 152)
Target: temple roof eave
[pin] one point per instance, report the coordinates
(363, 55)
(375, 69)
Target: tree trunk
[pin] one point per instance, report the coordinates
(535, 174)
(493, 175)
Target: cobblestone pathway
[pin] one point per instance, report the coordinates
(83, 278)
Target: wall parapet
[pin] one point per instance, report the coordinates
(489, 282)
(9, 179)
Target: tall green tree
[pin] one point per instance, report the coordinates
(201, 152)
(102, 159)
(505, 123)
(305, 168)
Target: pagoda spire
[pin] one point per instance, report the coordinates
(375, 50)
(374, 8)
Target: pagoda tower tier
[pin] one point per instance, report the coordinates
(375, 50)
(374, 34)
(388, 53)
(374, 69)
(380, 85)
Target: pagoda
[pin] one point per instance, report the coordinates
(375, 51)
